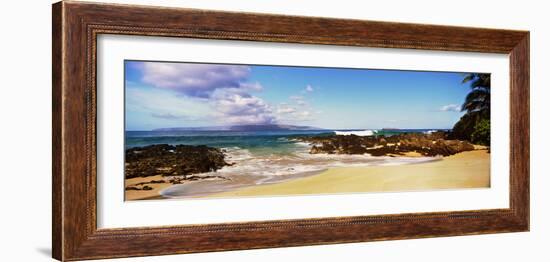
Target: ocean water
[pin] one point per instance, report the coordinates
(259, 142)
(278, 142)
(269, 155)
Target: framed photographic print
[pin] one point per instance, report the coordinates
(181, 130)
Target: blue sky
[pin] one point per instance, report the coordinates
(161, 94)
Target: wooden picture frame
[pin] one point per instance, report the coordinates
(76, 26)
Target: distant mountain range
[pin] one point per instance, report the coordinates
(241, 128)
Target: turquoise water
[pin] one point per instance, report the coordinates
(257, 142)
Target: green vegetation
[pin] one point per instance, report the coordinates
(474, 126)
(482, 133)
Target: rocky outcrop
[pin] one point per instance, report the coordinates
(151, 182)
(168, 160)
(180, 180)
(433, 144)
(147, 188)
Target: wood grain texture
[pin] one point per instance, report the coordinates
(76, 27)
(519, 129)
(57, 195)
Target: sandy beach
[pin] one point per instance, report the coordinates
(463, 170)
(144, 194)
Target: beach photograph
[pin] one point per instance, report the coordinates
(208, 130)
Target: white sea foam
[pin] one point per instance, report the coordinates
(254, 169)
(236, 154)
(367, 132)
(303, 144)
(275, 165)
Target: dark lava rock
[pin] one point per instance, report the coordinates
(384, 151)
(138, 188)
(337, 144)
(426, 144)
(150, 182)
(168, 160)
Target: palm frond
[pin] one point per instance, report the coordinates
(477, 94)
(479, 99)
(481, 82)
(467, 78)
(475, 106)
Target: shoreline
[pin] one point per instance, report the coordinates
(463, 170)
(209, 188)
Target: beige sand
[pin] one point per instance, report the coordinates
(464, 170)
(144, 194)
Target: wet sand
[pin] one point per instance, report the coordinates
(207, 188)
(199, 188)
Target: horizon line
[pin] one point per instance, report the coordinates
(319, 129)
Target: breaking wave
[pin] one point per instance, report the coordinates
(367, 132)
(272, 167)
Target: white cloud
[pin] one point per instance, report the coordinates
(221, 93)
(450, 108)
(301, 116)
(284, 109)
(224, 89)
(304, 115)
(196, 80)
(297, 109)
(154, 108)
(256, 86)
(294, 116)
(161, 102)
(169, 116)
(300, 100)
(241, 108)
